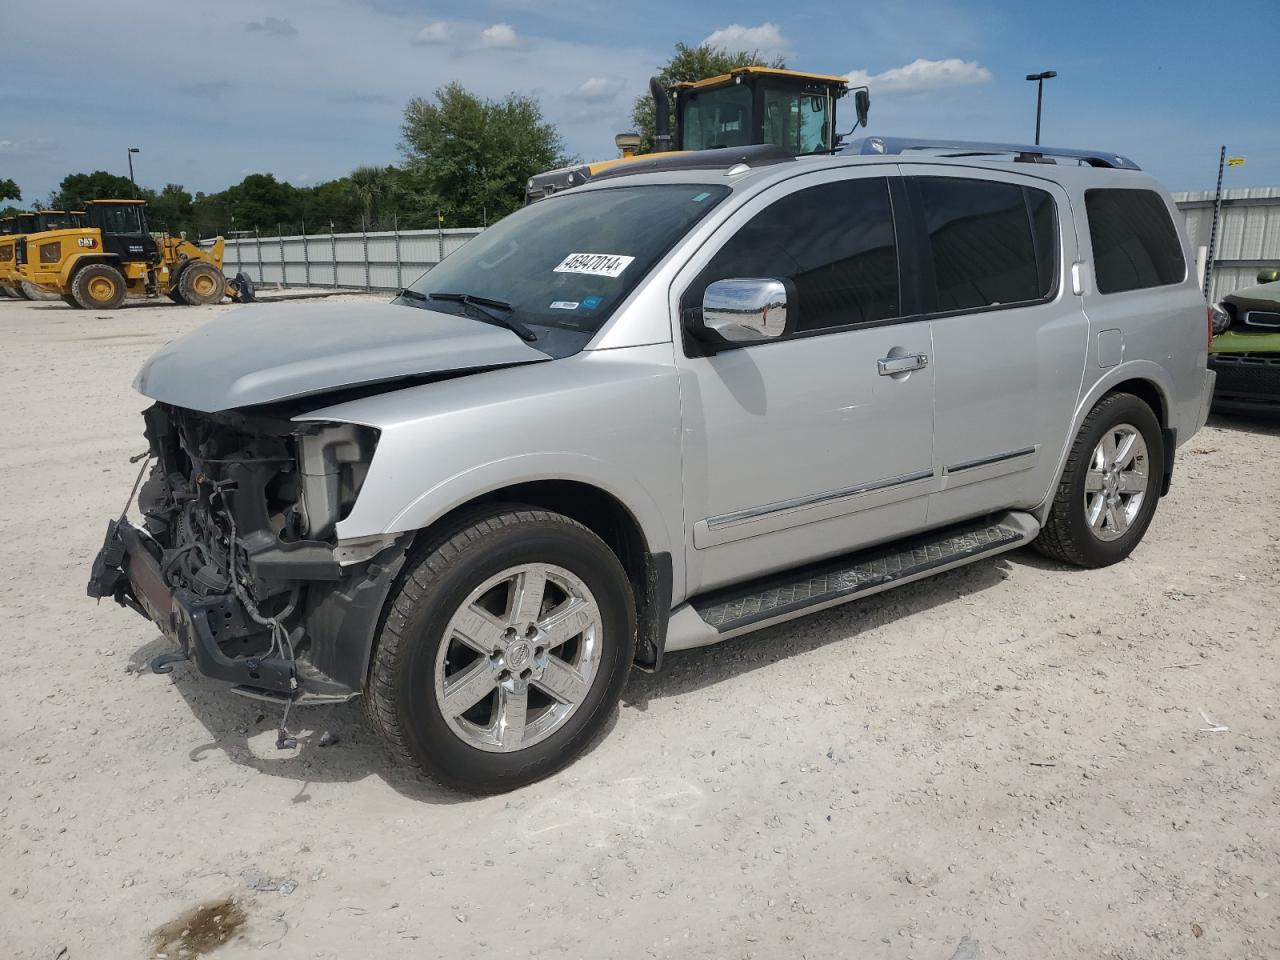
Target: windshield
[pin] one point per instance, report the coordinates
(566, 262)
(717, 118)
(57, 221)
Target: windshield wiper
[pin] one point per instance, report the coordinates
(411, 294)
(481, 304)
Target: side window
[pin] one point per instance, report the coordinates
(834, 242)
(1135, 244)
(992, 243)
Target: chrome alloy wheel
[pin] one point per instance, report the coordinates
(1116, 484)
(518, 657)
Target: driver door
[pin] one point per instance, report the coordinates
(820, 442)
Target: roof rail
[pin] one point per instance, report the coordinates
(1026, 152)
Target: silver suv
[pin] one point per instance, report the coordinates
(653, 413)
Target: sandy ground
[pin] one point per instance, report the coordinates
(1015, 753)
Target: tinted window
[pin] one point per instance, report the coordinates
(122, 219)
(834, 243)
(991, 243)
(1134, 241)
(720, 118)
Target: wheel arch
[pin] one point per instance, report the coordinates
(1147, 381)
(608, 517)
(84, 260)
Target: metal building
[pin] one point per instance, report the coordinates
(1248, 234)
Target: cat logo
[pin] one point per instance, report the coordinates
(89, 242)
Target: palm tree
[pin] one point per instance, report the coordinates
(374, 189)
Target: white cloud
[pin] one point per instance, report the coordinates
(597, 89)
(32, 146)
(766, 39)
(432, 33)
(501, 36)
(923, 74)
(273, 26)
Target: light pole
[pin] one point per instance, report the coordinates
(1040, 78)
(133, 150)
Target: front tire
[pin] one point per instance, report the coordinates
(1109, 487)
(201, 284)
(503, 651)
(70, 301)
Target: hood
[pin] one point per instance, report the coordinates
(1262, 296)
(270, 352)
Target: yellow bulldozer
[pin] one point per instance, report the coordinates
(114, 256)
(752, 111)
(19, 225)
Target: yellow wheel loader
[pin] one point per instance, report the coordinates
(751, 112)
(115, 256)
(20, 225)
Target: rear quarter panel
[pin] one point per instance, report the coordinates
(1160, 331)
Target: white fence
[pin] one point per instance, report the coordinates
(382, 261)
(1248, 240)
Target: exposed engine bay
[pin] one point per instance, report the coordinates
(236, 557)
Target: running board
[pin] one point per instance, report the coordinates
(756, 604)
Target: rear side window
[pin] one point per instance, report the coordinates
(992, 244)
(834, 242)
(1135, 244)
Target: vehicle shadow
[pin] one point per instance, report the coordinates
(693, 670)
(1247, 422)
(244, 730)
(335, 743)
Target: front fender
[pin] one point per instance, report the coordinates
(478, 481)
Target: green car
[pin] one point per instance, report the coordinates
(1245, 350)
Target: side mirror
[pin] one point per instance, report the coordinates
(745, 311)
(1268, 276)
(862, 105)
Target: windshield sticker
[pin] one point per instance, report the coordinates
(564, 305)
(595, 264)
(700, 197)
(590, 303)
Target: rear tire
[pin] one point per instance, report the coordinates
(486, 693)
(202, 283)
(99, 286)
(1109, 487)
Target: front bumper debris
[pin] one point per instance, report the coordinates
(128, 572)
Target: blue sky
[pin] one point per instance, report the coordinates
(309, 89)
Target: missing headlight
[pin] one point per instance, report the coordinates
(333, 461)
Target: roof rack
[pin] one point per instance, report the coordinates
(1023, 152)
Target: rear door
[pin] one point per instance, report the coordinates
(821, 442)
(1009, 335)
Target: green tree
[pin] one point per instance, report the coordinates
(262, 202)
(470, 158)
(76, 188)
(689, 65)
(172, 210)
(375, 192)
(9, 190)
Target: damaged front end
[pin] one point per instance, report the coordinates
(236, 557)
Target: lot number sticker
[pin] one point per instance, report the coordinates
(595, 264)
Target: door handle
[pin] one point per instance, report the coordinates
(888, 366)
